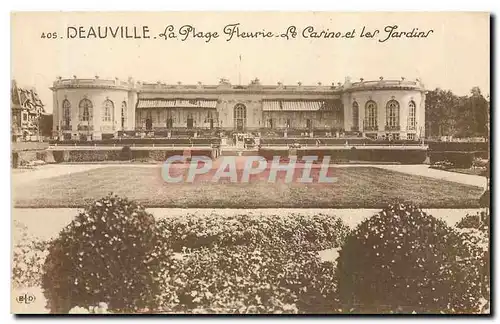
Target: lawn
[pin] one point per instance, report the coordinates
(356, 187)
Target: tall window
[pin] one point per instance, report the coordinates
(371, 115)
(412, 113)
(107, 111)
(355, 115)
(66, 112)
(124, 114)
(170, 119)
(149, 120)
(240, 111)
(240, 116)
(392, 114)
(85, 110)
(190, 120)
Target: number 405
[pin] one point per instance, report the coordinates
(49, 35)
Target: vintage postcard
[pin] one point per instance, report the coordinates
(250, 163)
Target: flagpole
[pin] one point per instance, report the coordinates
(239, 72)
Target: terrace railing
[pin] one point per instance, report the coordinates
(392, 127)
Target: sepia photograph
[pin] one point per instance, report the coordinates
(210, 163)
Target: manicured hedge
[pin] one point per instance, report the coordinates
(118, 155)
(270, 153)
(376, 155)
(247, 280)
(458, 146)
(331, 141)
(93, 155)
(459, 159)
(141, 141)
(296, 231)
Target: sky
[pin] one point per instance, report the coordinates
(455, 55)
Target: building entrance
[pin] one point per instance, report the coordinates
(240, 117)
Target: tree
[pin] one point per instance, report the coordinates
(449, 114)
(440, 107)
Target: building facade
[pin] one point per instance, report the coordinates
(27, 110)
(378, 109)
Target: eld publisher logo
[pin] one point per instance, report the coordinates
(25, 299)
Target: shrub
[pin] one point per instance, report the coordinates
(242, 279)
(108, 253)
(58, 156)
(480, 221)
(311, 233)
(403, 260)
(484, 200)
(28, 257)
(474, 229)
(126, 153)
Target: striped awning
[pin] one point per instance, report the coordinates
(278, 105)
(176, 103)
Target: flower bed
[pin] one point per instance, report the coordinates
(28, 256)
(243, 279)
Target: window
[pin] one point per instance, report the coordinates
(124, 114)
(190, 120)
(392, 114)
(288, 123)
(355, 115)
(412, 112)
(240, 111)
(371, 115)
(66, 105)
(411, 137)
(85, 110)
(170, 119)
(149, 120)
(107, 111)
(240, 116)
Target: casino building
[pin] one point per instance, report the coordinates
(97, 108)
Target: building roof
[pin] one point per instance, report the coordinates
(25, 98)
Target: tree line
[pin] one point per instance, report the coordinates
(447, 114)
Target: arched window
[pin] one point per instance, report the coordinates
(107, 110)
(355, 116)
(66, 105)
(392, 115)
(371, 116)
(124, 114)
(240, 116)
(412, 114)
(85, 110)
(240, 111)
